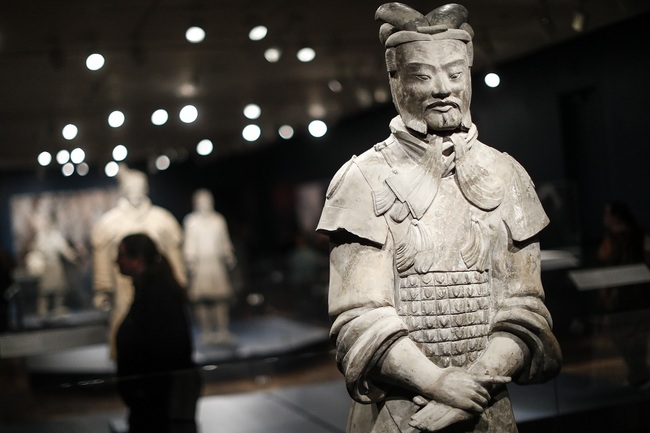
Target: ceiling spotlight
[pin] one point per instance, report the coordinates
(306, 54)
(95, 61)
(492, 80)
(317, 110)
(116, 119)
(251, 132)
(67, 169)
(257, 33)
(272, 55)
(120, 152)
(111, 169)
(77, 155)
(83, 169)
(195, 34)
(159, 117)
(285, 131)
(317, 128)
(335, 86)
(44, 158)
(69, 131)
(252, 111)
(204, 147)
(162, 162)
(381, 95)
(62, 156)
(189, 114)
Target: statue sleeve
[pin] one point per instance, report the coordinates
(362, 306)
(521, 313)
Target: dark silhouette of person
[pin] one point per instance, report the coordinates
(6, 280)
(623, 244)
(157, 378)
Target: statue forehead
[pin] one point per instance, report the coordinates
(428, 52)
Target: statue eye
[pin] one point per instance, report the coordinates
(455, 75)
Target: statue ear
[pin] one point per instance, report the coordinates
(391, 62)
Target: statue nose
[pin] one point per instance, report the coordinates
(440, 87)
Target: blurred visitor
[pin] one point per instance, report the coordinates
(157, 377)
(628, 306)
(6, 280)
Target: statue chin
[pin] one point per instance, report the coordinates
(444, 121)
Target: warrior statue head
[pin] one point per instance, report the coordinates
(429, 59)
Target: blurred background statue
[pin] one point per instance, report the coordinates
(134, 213)
(209, 255)
(45, 262)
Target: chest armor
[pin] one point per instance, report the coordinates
(444, 288)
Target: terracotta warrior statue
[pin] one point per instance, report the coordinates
(209, 255)
(134, 213)
(435, 290)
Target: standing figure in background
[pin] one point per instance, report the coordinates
(209, 256)
(157, 377)
(435, 287)
(134, 213)
(45, 262)
(627, 307)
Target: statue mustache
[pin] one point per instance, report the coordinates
(442, 102)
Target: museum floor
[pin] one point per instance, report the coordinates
(293, 386)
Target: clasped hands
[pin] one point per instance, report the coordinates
(458, 395)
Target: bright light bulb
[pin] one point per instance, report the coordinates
(111, 169)
(189, 114)
(317, 128)
(62, 156)
(44, 158)
(69, 131)
(204, 147)
(95, 61)
(252, 111)
(77, 155)
(251, 132)
(120, 152)
(257, 33)
(195, 34)
(492, 80)
(159, 117)
(116, 119)
(306, 54)
(272, 55)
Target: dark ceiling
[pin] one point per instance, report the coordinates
(150, 65)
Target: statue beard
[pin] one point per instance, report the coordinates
(417, 123)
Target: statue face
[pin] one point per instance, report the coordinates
(203, 202)
(135, 189)
(432, 85)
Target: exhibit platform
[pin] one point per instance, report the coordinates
(255, 339)
(567, 404)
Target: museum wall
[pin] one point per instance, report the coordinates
(572, 115)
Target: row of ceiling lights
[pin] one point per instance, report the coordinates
(74, 160)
